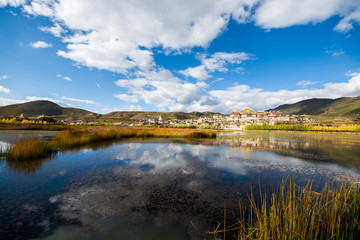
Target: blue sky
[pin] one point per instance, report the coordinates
(191, 55)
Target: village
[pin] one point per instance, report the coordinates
(236, 120)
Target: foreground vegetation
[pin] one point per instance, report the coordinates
(302, 127)
(75, 137)
(295, 212)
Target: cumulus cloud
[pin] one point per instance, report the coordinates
(239, 96)
(215, 62)
(121, 37)
(79, 100)
(56, 30)
(162, 89)
(12, 3)
(40, 44)
(280, 13)
(65, 78)
(198, 72)
(4, 89)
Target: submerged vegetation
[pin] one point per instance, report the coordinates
(295, 212)
(70, 138)
(302, 127)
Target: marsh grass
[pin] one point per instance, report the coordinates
(29, 149)
(71, 138)
(295, 212)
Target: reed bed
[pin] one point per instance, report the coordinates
(29, 149)
(295, 212)
(70, 138)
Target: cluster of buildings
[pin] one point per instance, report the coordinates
(238, 120)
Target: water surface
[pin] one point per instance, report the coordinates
(161, 188)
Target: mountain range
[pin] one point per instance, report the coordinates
(348, 107)
(55, 111)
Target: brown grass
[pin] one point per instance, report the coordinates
(29, 149)
(76, 137)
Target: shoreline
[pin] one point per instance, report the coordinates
(9, 126)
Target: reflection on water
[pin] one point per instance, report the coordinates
(159, 188)
(8, 137)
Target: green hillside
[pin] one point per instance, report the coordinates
(348, 107)
(36, 108)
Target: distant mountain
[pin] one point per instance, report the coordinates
(53, 110)
(340, 107)
(36, 108)
(129, 116)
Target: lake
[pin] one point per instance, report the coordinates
(159, 188)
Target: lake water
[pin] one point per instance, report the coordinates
(160, 188)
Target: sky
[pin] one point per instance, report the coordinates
(188, 55)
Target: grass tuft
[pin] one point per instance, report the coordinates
(300, 213)
(29, 149)
(70, 138)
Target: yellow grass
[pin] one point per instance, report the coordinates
(300, 213)
(69, 138)
(29, 149)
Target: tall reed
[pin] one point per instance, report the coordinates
(295, 212)
(70, 138)
(29, 149)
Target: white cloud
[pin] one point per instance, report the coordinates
(6, 101)
(40, 44)
(335, 54)
(40, 7)
(79, 100)
(98, 85)
(215, 62)
(12, 3)
(237, 97)
(35, 98)
(65, 78)
(127, 98)
(198, 72)
(4, 77)
(4, 89)
(305, 83)
(162, 89)
(56, 30)
(133, 108)
(285, 13)
(122, 37)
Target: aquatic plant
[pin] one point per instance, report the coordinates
(29, 149)
(75, 137)
(295, 212)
